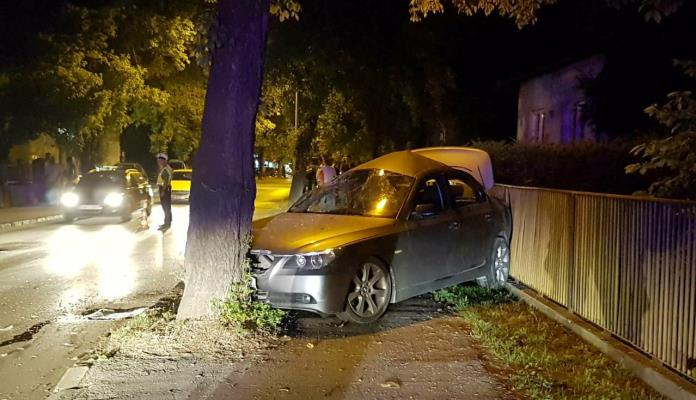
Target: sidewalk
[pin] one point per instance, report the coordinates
(12, 217)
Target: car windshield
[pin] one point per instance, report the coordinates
(366, 192)
(181, 176)
(102, 178)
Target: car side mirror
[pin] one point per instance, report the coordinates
(424, 211)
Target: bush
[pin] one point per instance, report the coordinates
(585, 166)
(241, 311)
(462, 296)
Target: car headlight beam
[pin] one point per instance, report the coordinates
(113, 200)
(69, 199)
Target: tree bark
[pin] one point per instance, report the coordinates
(223, 186)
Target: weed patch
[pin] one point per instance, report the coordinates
(462, 296)
(241, 311)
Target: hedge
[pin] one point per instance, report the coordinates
(584, 166)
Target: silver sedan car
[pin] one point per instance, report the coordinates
(401, 225)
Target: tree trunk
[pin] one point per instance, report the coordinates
(223, 186)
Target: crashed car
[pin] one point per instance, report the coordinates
(398, 226)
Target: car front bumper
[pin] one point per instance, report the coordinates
(322, 292)
(94, 210)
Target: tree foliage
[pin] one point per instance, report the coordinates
(673, 157)
(106, 67)
(524, 12)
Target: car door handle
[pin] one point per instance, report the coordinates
(488, 217)
(455, 225)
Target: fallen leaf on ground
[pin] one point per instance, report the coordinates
(310, 345)
(7, 328)
(393, 383)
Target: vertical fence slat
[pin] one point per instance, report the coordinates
(627, 264)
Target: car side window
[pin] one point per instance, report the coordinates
(463, 190)
(430, 194)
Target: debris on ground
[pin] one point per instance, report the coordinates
(393, 383)
(106, 314)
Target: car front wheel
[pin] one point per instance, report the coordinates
(368, 294)
(499, 268)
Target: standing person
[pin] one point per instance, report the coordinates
(346, 164)
(326, 172)
(164, 184)
(311, 175)
(52, 179)
(70, 171)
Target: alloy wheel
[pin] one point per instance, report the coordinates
(369, 291)
(501, 263)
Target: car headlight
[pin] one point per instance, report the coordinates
(69, 199)
(113, 199)
(310, 261)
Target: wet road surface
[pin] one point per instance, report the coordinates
(53, 274)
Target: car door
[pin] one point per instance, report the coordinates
(475, 216)
(430, 236)
(136, 191)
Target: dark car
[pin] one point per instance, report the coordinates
(109, 191)
(398, 226)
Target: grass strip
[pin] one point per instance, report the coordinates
(540, 358)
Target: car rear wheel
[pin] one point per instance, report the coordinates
(369, 293)
(499, 268)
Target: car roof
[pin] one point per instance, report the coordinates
(403, 162)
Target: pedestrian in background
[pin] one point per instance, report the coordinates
(326, 172)
(54, 179)
(311, 174)
(164, 185)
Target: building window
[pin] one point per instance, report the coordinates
(579, 121)
(537, 126)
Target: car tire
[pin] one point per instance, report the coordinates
(498, 269)
(369, 293)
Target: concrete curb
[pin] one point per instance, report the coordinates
(27, 222)
(655, 375)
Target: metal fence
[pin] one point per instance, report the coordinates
(627, 264)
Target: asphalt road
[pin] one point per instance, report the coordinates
(52, 275)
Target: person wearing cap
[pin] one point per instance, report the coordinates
(164, 184)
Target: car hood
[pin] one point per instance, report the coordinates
(290, 233)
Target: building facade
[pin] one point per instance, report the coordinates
(551, 107)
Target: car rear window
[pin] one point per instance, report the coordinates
(181, 176)
(95, 178)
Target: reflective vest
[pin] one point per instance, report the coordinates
(164, 179)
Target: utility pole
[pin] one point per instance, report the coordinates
(296, 97)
